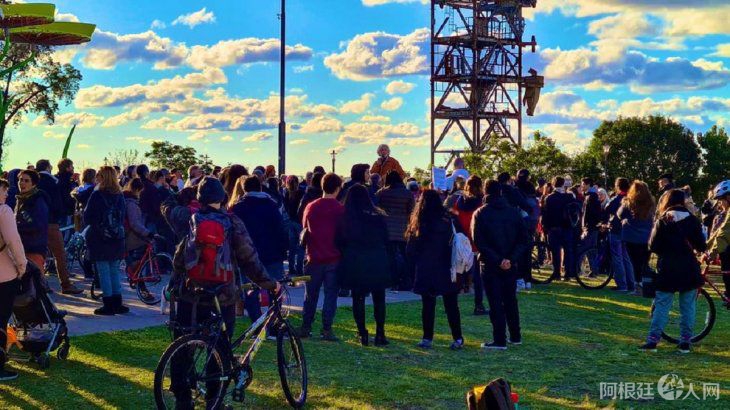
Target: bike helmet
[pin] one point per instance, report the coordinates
(722, 189)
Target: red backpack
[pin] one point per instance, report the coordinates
(208, 259)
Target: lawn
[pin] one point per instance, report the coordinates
(574, 339)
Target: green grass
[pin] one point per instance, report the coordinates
(574, 339)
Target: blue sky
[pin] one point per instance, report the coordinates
(205, 74)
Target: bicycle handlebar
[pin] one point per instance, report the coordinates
(288, 281)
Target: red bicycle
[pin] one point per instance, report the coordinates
(705, 311)
(149, 276)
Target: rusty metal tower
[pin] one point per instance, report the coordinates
(477, 83)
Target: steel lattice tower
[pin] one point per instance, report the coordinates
(477, 85)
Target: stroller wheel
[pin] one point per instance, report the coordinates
(43, 360)
(62, 352)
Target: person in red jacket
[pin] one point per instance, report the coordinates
(320, 221)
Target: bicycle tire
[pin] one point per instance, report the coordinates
(588, 279)
(222, 362)
(288, 342)
(710, 314)
(149, 291)
(541, 274)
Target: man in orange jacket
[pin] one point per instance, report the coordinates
(386, 163)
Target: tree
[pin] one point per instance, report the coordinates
(585, 165)
(421, 174)
(38, 88)
(124, 157)
(490, 163)
(715, 145)
(645, 148)
(167, 155)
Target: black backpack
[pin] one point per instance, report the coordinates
(497, 395)
(112, 223)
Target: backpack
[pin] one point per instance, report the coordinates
(462, 256)
(497, 395)
(208, 254)
(112, 223)
(572, 213)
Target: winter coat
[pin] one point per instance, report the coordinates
(49, 185)
(12, 256)
(82, 194)
(554, 210)
(136, 234)
(516, 198)
(384, 166)
(310, 195)
(634, 230)
(677, 234)
(591, 212)
(65, 186)
(178, 216)
(292, 201)
(346, 188)
(398, 203)
(708, 213)
(611, 212)
(100, 248)
(364, 265)
(499, 233)
(719, 241)
(264, 223)
(429, 254)
(244, 257)
(13, 190)
(149, 202)
(31, 215)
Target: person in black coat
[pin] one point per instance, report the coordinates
(556, 224)
(500, 235)
(676, 236)
(106, 238)
(31, 215)
(312, 193)
(362, 236)
(428, 250)
(293, 194)
(13, 190)
(359, 175)
(65, 186)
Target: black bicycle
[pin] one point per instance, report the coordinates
(594, 264)
(201, 366)
(542, 264)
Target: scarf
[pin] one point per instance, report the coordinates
(24, 196)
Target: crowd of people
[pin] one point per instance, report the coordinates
(379, 231)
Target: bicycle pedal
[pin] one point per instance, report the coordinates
(238, 395)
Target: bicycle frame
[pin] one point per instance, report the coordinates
(134, 278)
(708, 281)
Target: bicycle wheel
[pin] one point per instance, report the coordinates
(589, 279)
(292, 366)
(153, 278)
(542, 268)
(192, 372)
(704, 318)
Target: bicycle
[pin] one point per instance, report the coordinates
(542, 264)
(147, 277)
(598, 257)
(705, 311)
(208, 380)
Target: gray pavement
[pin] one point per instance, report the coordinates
(81, 319)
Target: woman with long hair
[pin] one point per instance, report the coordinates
(229, 178)
(676, 236)
(636, 214)
(428, 249)
(105, 213)
(464, 208)
(362, 236)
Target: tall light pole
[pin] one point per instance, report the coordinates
(282, 92)
(606, 151)
(334, 159)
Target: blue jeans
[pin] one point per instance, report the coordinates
(321, 275)
(623, 271)
(562, 239)
(296, 251)
(109, 278)
(252, 302)
(662, 305)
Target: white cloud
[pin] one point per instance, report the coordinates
(158, 24)
(375, 133)
(375, 55)
(371, 3)
(392, 104)
(107, 49)
(83, 146)
(195, 18)
(299, 142)
(321, 125)
(399, 87)
(226, 138)
(258, 137)
(723, 50)
(244, 51)
(358, 106)
(54, 135)
(375, 118)
(197, 136)
(68, 120)
(303, 68)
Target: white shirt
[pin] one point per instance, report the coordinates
(458, 173)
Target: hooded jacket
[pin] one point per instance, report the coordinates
(31, 214)
(398, 203)
(677, 234)
(499, 233)
(13, 190)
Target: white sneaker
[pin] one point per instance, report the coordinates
(520, 284)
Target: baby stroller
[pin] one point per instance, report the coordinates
(39, 327)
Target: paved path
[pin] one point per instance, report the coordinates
(81, 319)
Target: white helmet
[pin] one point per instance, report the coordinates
(722, 189)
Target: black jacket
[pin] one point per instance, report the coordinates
(611, 213)
(150, 201)
(49, 185)
(554, 210)
(31, 215)
(292, 201)
(429, 255)
(677, 234)
(65, 186)
(101, 249)
(264, 223)
(310, 195)
(398, 203)
(365, 265)
(591, 212)
(499, 233)
(516, 198)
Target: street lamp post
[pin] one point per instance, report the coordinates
(606, 151)
(282, 92)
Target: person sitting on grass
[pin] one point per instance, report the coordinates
(677, 234)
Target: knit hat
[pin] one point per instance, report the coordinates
(210, 191)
